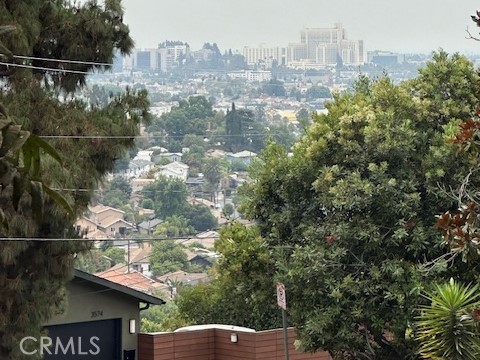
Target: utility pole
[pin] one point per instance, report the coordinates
(128, 255)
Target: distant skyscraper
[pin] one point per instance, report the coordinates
(296, 52)
(144, 60)
(313, 37)
(265, 55)
(171, 55)
(324, 46)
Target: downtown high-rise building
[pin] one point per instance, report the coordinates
(328, 46)
(318, 47)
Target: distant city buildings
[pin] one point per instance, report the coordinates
(164, 58)
(385, 58)
(264, 55)
(251, 75)
(318, 47)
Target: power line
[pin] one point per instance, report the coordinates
(149, 136)
(59, 60)
(142, 239)
(118, 275)
(139, 191)
(44, 68)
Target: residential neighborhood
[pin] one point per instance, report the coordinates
(239, 180)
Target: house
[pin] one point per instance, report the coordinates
(206, 238)
(86, 227)
(136, 168)
(116, 227)
(245, 156)
(138, 184)
(216, 153)
(167, 155)
(202, 257)
(102, 214)
(101, 320)
(89, 229)
(145, 155)
(132, 279)
(174, 170)
(195, 184)
(183, 277)
(140, 258)
(147, 227)
(103, 222)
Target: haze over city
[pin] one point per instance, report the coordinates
(406, 26)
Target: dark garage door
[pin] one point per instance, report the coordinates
(93, 340)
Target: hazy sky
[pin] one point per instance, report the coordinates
(402, 25)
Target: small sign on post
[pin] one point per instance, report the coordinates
(281, 298)
(282, 303)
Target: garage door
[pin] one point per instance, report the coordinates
(91, 340)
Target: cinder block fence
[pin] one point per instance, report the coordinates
(217, 344)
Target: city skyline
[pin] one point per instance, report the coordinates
(407, 26)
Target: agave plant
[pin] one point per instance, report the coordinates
(448, 328)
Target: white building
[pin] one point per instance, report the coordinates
(174, 170)
(251, 75)
(145, 155)
(325, 47)
(264, 55)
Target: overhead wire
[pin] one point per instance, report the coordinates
(58, 60)
(125, 266)
(147, 136)
(148, 240)
(131, 285)
(44, 68)
(92, 137)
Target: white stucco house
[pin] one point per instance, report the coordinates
(175, 169)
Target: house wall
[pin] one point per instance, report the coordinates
(86, 225)
(108, 213)
(215, 344)
(90, 302)
(116, 228)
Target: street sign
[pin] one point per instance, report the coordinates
(281, 297)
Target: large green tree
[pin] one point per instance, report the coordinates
(33, 273)
(243, 131)
(167, 256)
(191, 116)
(169, 196)
(354, 208)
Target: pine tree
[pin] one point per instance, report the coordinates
(33, 273)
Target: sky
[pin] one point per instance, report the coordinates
(407, 26)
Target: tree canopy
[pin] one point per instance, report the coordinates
(241, 291)
(33, 273)
(191, 117)
(353, 210)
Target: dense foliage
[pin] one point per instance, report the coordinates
(169, 197)
(241, 291)
(354, 208)
(167, 256)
